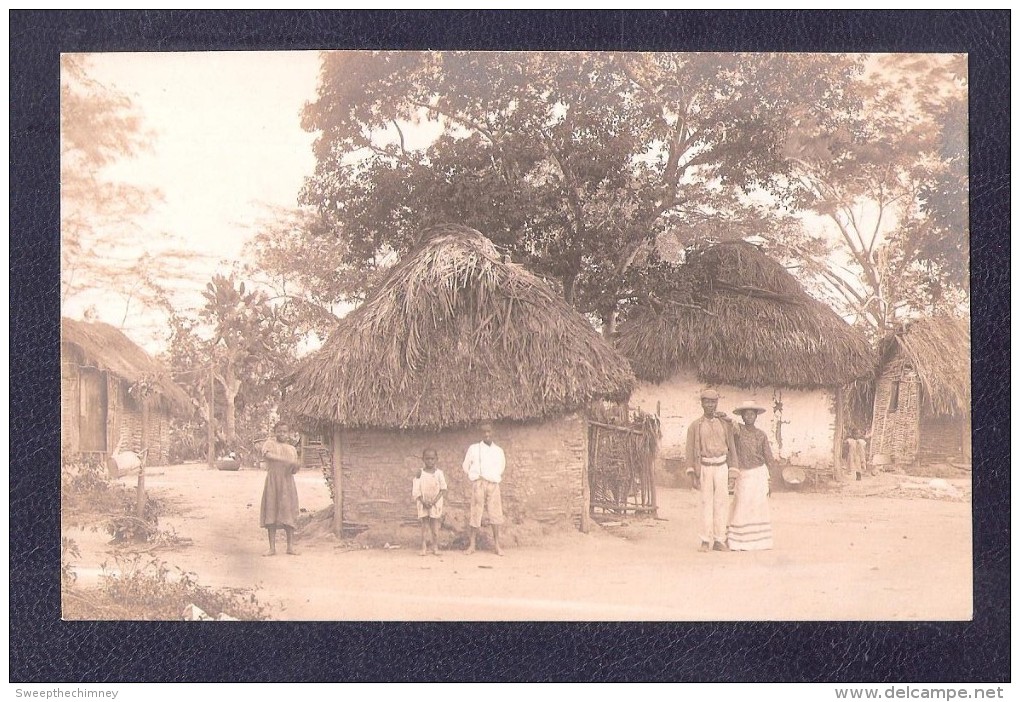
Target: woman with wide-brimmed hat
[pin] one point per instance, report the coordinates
(750, 527)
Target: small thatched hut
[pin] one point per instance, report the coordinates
(747, 327)
(922, 395)
(104, 377)
(452, 337)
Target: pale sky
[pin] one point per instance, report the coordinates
(228, 140)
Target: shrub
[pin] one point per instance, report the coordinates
(141, 587)
(68, 550)
(188, 441)
(86, 492)
(147, 583)
(80, 477)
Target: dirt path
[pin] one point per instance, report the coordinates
(844, 556)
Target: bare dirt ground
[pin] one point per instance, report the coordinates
(888, 548)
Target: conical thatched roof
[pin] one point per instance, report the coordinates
(453, 336)
(108, 348)
(748, 322)
(938, 348)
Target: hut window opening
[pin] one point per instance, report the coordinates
(315, 450)
(894, 396)
(315, 440)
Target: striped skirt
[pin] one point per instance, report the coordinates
(750, 528)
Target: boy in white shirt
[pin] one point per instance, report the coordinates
(484, 464)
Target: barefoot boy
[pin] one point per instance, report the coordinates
(484, 465)
(428, 490)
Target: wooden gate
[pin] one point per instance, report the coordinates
(620, 461)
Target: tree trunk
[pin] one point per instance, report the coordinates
(229, 421)
(569, 284)
(211, 420)
(837, 437)
(140, 490)
(338, 485)
(231, 388)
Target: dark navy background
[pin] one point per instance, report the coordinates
(43, 648)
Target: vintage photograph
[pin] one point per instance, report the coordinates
(515, 336)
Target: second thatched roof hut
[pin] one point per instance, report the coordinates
(922, 394)
(747, 327)
(454, 336)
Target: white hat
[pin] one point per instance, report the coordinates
(749, 405)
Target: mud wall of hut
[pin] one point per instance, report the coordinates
(542, 482)
(944, 438)
(807, 416)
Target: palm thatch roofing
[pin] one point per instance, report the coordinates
(938, 349)
(744, 321)
(452, 336)
(108, 348)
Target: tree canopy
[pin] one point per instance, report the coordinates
(578, 164)
(892, 182)
(250, 349)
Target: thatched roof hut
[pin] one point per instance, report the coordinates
(109, 349)
(922, 395)
(737, 320)
(101, 413)
(749, 323)
(938, 349)
(455, 335)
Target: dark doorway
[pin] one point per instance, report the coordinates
(92, 410)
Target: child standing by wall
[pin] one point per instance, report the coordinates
(428, 491)
(857, 453)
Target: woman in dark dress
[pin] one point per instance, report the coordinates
(280, 498)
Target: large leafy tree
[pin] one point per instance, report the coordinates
(187, 355)
(579, 164)
(944, 197)
(891, 183)
(305, 269)
(251, 347)
(98, 127)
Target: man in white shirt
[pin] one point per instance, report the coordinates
(484, 465)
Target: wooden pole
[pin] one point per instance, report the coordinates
(916, 394)
(211, 455)
(585, 486)
(651, 484)
(140, 493)
(965, 438)
(338, 488)
(837, 439)
(593, 461)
